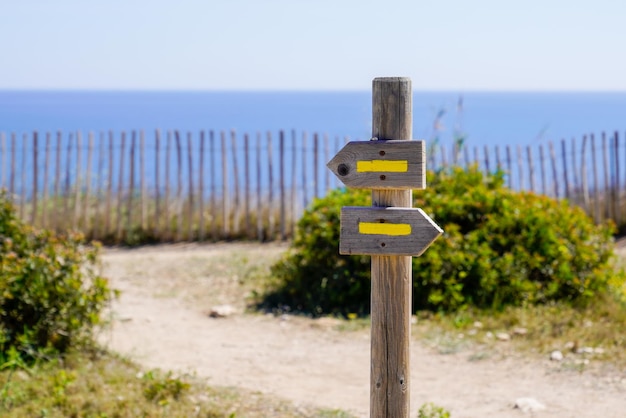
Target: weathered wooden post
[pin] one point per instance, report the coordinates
(391, 231)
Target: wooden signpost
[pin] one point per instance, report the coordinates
(391, 232)
(380, 164)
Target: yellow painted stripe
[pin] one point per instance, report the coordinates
(385, 166)
(376, 228)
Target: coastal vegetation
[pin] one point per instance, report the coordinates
(500, 248)
(510, 265)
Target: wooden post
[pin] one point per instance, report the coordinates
(107, 222)
(157, 186)
(585, 181)
(616, 190)
(270, 205)
(568, 191)
(543, 171)
(57, 183)
(605, 165)
(555, 178)
(12, 181)
(99, 230)
(531, 169)
(391, 275)
(120, 190)
(166, 201)
(596, 185)
(44, 221)
(142, 180)
(236, 201)
(225, 207)
(179, 187)
(294, 183)
(214, 230)
(86, 201)
(281, 184)
(23, 178)
(304, 169)
(131, 183)
(33, 215)
(68, 166)
(575, 186)
(201, 188)
(259, 200)
(190, 208)
(246, 180)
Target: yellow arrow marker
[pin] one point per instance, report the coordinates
(385, 166)
(376, 228)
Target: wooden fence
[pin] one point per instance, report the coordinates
(208, 186)
(126, 187)
(588, 171)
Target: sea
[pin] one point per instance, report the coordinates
(483, 118)
(480, 118)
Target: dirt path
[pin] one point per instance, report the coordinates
(161, 321)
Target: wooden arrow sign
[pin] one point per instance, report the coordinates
(381, 164)
(386, 231)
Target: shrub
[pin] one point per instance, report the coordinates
(50, 293)
(430, 410)
(499, 248)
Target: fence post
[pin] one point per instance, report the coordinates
(33, 215)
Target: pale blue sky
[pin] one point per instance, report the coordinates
(313, 44)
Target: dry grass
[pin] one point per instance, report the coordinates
(98, 384)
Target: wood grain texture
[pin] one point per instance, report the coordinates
(391, 275)
(423, 231)
(344, 164)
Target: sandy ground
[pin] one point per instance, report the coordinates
(161, 321)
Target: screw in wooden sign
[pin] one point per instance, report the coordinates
(391, 231)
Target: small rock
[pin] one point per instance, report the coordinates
(586, 350)
(503, 336)
(489, 334)
(570, 345)
(556, 355)
(598, 350)
(221, 311)
(529, 405)
(478, 324)
(520, 331)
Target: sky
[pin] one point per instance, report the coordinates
(457, 45)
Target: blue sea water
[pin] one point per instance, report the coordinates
(483, 118)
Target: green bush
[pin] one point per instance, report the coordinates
(430, 410)
(499, 248)
(50, 293)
